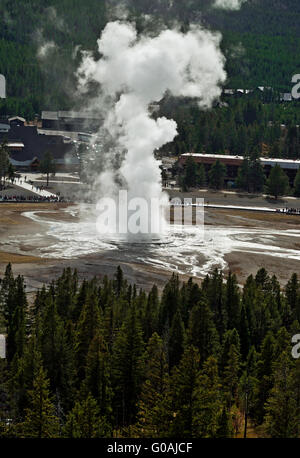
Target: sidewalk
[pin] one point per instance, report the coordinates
(21, 184)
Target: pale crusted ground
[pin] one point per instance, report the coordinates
(37, 270)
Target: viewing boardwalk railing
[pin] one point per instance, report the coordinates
(31, 199)
(21, 183)
(34, 194)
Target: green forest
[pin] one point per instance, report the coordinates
(240, 126)
(103, 359)
(260, 42)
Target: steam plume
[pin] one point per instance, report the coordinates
(229, 4)
(135, 72)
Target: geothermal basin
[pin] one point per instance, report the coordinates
(41, 240)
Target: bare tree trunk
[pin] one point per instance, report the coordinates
(246, 417)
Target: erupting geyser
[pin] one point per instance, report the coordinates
(133, 72)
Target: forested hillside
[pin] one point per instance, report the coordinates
(261, 42)
(33, 82)
(102, 359)
(242, 126)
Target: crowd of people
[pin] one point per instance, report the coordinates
(31, 198)
(289, 211)
(293, 211)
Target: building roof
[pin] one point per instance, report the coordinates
(77, 115)
(57, 115)
(68, 160)
(34, 145)
(284, 163)
(15, 144)
(213, 156)
(4, 127)
(16, 118)
(21, 163)
(59, 133)
(51, 115)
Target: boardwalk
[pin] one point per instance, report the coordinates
(21, 184)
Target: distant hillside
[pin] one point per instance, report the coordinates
(261, 42)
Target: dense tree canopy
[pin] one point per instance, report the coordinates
(108, 361)
(259, 42)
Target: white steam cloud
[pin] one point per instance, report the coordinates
(45, 49)
(135, 72)
(54, 19)
(229, 4)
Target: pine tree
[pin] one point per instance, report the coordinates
(201, 176)
(225, 427)
(202, 332)
(48, 166)
(80, 300)
(243, 178)
(264, 376)
(184, 382)
(297, 184)
(292, 290)
(231, 375)
(6, 293)
(40, 300)
(248, 387)
(85, 422)
(153, 414)
(5, 405)
(244, 333)
(233, 307)
(4, 160)
(207, 401)
(98, 375)
(119, 282)
(217, 175)
(22, 374)
(150, 318)
(278, 182)
(176, 340)
(262, 279)
(127, 368)
(169, 303)
(230, 338)
(257, 177)
(214, 290)
(190, 295)
(16, 324)
(87, 327)
(190, 175)
(282, 412)
(58, 355)
(66, 289)
(40, 420)
(282, 342)
(248, 299)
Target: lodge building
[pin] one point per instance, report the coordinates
(233, 163)
(27, 146)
